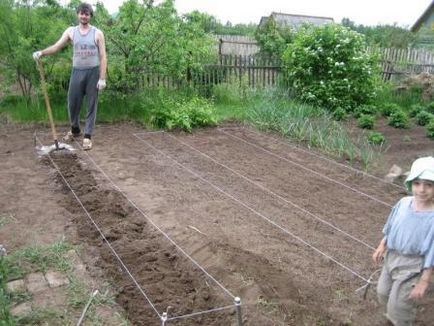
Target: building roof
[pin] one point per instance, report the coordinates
(295, 21)
(426, 14)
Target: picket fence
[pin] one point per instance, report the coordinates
(254, 71)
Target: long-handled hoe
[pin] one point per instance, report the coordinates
(56, 146)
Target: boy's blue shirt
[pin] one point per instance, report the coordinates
(410, 232)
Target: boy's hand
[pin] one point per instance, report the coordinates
(378, 255)
(419, 290)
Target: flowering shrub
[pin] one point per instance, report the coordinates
(328, 66)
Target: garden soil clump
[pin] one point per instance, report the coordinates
(289, 232)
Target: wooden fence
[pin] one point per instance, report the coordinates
(256, 72)
(396, 63)
(249, 70)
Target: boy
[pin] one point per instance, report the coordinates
(408, 247)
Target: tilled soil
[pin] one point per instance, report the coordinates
(288, 231)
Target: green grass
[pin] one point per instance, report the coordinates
(226, 111)
(272, 110)
(403, 98)
(39, 259)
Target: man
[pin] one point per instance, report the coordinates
(88, 75)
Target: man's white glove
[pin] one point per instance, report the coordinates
(37, 55)
(101, 84)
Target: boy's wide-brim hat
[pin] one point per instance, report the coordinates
(422, 168)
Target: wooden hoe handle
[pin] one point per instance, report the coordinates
(47, 102)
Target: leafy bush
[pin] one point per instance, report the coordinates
(366, 121)
(376, 138)
(186, 114)
(430, 129)
(388, 108)
(339, 114)
(423, 118)
(328, 66)
(398, 119)
(415, 109)
(430, 107)
(364, 109)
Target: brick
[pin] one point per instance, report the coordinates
(15, 286)
(22, 309)
(56, 279)
(36, 282)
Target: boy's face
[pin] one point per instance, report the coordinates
(84, 17)
(423, 190)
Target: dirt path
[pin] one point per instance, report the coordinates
(287, 231)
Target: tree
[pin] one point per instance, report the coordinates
(25, 28)
(273, 39)
(386, 36)
(145, 38)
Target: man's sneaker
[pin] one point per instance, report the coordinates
(87, 144)
(69, 137)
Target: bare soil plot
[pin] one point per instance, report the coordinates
(287, 231)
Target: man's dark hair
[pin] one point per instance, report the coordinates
(85, 7)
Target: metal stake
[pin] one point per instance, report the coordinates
(237, 301)
(164, 319)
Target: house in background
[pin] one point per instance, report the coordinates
(294, 21)
(424, 28)
(426, 20)
(245, 45)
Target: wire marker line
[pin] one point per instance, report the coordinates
(321, 157)
(150, 132)
(225, 290)
(255, 212)
(277, 195)
(195, 314)
(102, 234)
(310, 170)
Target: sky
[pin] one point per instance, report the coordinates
(366, 12)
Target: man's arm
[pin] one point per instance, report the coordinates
(102, 55)
(60, 44)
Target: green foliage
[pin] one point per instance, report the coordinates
(186, 115)
(365, 110)
(25, 27)
(210, 24)
(415, 109)
(273, 39)
(404, 97)
(328, 66)
(376, 138)
(146, 38)
(386, 36)
(388, 109)
(425, 38)
(339, 114)
(398, 119)
(233, 91)
(366, 121)
(423, 118)
(272, 110)
(430, 129)
(430, 107)
(6, 318)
